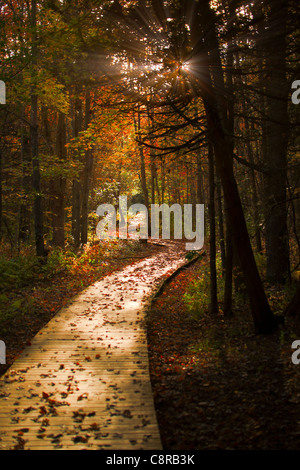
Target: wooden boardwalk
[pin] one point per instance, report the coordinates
(84, 381)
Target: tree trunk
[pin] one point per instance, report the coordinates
(263, 318)
(213, 308)
(275, 157)
(200, 191)
(25, 213)
(221, 227)
(256, 221)
(76, 188)
(163, 179)
(1, 210)
(87, 172)
(34, 140)
(58, 188)
(143, 177)
(227, 307)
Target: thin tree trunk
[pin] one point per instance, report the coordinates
(24, 214)
(221, 226)
(137, 123)
(157, 186)
(255, 198)
(277, 248)
(200, 192)
(76, 187)
(163, 178)
(87, 172)
(34, 139)
(213, 308)
(229, 123)
(227, 307)
(58, 186)
(1, 209)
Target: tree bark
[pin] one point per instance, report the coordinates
(76, 187)
(213, 308)
(34, 140)
(1, 210)
(200, 191)
(25, 212)
(275, 157)
(137, 123)
(58, 188)
(227, 307)
(87, 172)
(221, 226)
(256, 220)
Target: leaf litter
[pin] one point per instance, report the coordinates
(216, 385)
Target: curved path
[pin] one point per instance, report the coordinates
(84, 381)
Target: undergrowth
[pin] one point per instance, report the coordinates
(197, 295)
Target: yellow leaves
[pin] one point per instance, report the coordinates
(53, 94)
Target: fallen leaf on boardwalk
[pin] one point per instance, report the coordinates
(82, 397)
(127, 414)
(95, 427)
(21, 444)
(27, 410)
(43, 410)
(80, 439)
(42, 430)
(79, 416)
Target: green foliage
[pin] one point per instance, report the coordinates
(197, 296)
(24, 270)
(17, 272)
(191, 254)
(260, 262)
(57, 262)
(13, 309)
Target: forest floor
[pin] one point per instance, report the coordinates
(216, 384)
